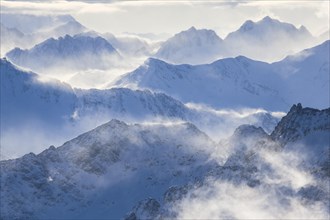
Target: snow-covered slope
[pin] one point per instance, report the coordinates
(77, 52)
(20, 88)
(103, 173)
(307, 75)
(25, 95)
(241, 82)
(252, 39)
(169, 170)
(192, 47)
(231, 83)
(126, 103)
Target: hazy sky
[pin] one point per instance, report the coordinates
(170, 16)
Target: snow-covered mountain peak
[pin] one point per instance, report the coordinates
(248, 131)
(78, 43)
(190, 30)
(299, 122)
(69, 45)
(154, 62)
(113, 124)
(267, 24)
(303, 28)
(193, 34)
(67, 53)
(247, 25)
(24, 30)
(115, 164)
(192, 46)
(71, 26)
(249, 137)
(267, 19)
(295, 109)
(254, 37)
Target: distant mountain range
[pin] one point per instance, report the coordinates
(24, 31)
(77, 52)
(252, 39)
(193, 46)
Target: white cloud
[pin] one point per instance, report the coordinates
(162, 16)
(227, 201)
(55, 7)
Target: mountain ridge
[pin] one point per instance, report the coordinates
(54, 176)
(226, 81)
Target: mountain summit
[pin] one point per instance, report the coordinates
(268, 34)
(193, 46)
(265, 28)
(71, 52)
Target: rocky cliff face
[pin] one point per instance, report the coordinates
(300, 122)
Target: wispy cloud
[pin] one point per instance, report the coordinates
(56, 7)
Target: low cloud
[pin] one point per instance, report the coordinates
(275, 198)
(223, 200)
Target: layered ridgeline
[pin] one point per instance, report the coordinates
(24, 30)
(90, 59)
(77, 52)
(241, 82)
(84, 60)
(192, 46)
(252, 39)
(38, 111)
(151, 171)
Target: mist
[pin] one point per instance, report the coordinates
(221, 200)
(277, 196)
(34, 135)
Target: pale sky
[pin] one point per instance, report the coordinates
(156, 16)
